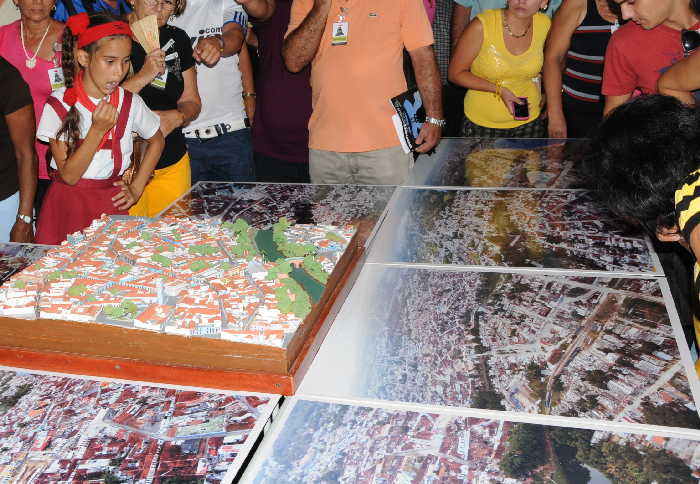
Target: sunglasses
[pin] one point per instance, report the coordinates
(690, 40)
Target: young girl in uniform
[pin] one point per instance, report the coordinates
(89, 126)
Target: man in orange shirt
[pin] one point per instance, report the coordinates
(355, 48)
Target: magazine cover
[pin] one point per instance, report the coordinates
(409, 117)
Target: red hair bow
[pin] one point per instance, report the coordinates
(78, 23)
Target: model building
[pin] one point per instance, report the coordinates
(181, 276)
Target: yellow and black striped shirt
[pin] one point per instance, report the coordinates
(688, 204)
(687, 201)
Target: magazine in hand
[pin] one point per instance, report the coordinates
(409, 117)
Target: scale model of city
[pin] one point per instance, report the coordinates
(186, 277)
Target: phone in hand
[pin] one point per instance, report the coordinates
(521, 112)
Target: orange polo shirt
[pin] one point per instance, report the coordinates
(352, 84)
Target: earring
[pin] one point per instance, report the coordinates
(544, 9)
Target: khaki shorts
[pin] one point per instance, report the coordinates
(389, 166)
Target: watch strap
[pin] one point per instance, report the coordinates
(437, 122)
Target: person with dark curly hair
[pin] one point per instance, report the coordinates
(639, 155)
(644, 164)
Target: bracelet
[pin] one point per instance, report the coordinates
(220, 38)
(249, 94)
(499, 85)
(440, 123)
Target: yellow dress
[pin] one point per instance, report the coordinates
(519, 73)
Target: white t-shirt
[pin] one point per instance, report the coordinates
(142, 121)
(8, 12)
(220, 87)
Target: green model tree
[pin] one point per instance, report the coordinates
(315, 269)
(77, 290)
(162, 260)
(334, 237)
(203, 250)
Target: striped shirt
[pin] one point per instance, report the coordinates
(687, 202)
(583, 73)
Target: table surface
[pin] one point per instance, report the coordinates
(490, 274)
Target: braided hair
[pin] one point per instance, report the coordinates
(70, 128)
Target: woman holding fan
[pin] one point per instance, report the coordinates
(165, 78)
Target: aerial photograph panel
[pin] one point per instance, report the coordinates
(501, 162)
(57, 428)
(601, 348)
(328, 442)
(548, 229)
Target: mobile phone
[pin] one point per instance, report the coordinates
(521, 112)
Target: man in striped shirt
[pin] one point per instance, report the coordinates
(644, 163)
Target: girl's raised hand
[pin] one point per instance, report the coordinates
(104, 117)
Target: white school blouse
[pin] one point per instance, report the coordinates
(142, 121)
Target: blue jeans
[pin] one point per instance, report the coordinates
(228, 157)
(8, 215)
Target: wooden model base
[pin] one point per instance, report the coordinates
(109, 351)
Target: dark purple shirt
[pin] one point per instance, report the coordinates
(283, 106)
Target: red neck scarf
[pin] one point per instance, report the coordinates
(77, 93)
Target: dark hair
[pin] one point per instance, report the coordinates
(71, 124)
(640, 155)
(695, 6)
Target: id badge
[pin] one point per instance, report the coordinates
(340, 33)
(56, 78)
(160, 80)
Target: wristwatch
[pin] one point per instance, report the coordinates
(440, 123)
(24, 218)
